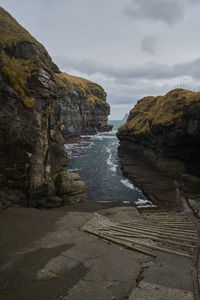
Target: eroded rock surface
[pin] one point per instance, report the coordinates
(165, 131)
(40, 108)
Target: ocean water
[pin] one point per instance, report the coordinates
(95, 158)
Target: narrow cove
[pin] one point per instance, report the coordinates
(95, 158)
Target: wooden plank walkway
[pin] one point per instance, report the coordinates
(167, 232)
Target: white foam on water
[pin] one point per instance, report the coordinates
(71, 146)
(74, 170)
(87, 136)
(97, 137)
(108, 136)
(85, 145)
(113, 168)
(127, 183)
(144, 203)
(108, 150)
(109, 162)
(76, 149)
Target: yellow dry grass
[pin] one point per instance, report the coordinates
(84, 86)
(11, 32)
(17, 72)
(164, 110)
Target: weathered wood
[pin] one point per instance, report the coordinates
(164, 229)
(170, 220)
(178, 216)
(164, 223)
(119, 243)
(190, 229)
(153, 234)
(156, 231)
(173, 223)
(158, 248)
(153, 239)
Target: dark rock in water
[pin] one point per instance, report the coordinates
(165, 131)
(40, 108)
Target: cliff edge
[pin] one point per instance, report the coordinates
(40, 108)
(165, 131)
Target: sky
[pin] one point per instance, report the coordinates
(132, 48)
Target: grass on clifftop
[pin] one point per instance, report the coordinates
(89, 89)
(11, 32)
(18, 70)
(162, 110)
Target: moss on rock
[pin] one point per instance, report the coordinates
(165, 130)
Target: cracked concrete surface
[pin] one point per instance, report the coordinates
(45, 256)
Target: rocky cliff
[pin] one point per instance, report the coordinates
(39, 108)
(83, 105)
(165, 131)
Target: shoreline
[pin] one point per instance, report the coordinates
(45, 255)
(158, 187)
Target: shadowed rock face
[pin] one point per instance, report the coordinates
(165, 131)
(83, 105)
(38, 111)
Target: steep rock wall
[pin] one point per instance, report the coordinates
(33, 123)
(165, 130)
(84, 109)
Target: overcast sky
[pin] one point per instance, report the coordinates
(133, 48)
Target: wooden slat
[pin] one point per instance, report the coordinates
(120, 243)
(164, 229)
(153, 239)
(156, 231)
(158, 248)
(152, 234)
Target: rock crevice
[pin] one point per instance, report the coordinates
(40, 109)
(165, 131)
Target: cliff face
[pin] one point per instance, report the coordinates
(84, 109)
(165, 130)
(37, 112)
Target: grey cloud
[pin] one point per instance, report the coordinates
(149, 44)
(89, 67)
(122, 99)
(193, 2)
(191, 68)
(169, 11)
(148, 71)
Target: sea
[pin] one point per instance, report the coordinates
(96, 159)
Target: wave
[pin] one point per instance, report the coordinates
(76, 146)
(144, 203)
(113, 167)
(127, 183)
(70, 146)
(87, 136)
(101, 137)
(74, 170)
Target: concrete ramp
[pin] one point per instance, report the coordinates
(148, 234)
